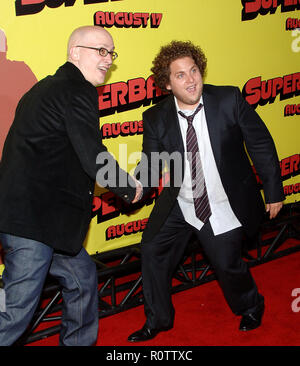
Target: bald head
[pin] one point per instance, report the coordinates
(83, 34)
(82, 52)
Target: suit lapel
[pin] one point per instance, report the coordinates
(211, 109)
(172, 122)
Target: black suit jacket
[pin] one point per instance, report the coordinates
(232, 124)
(48, 167)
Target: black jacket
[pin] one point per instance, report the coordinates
(232, 124)
(48, 167)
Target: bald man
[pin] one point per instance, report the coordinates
(47, 177)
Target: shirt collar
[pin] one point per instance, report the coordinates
(187, 112)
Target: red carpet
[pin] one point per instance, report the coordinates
(204, 319)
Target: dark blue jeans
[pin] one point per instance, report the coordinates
(27, 263)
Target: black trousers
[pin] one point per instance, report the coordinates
(161, 256)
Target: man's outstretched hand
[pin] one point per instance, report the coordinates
(273, 209)
(139, 191)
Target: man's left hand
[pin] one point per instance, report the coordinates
(273, 208)
(139, 190)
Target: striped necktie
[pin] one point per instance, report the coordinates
(201, 203)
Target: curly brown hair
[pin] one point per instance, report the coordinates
(170, 53)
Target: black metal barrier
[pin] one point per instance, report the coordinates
(119, 272)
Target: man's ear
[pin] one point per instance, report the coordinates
(74, 53)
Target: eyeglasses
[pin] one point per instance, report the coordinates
(103, 51)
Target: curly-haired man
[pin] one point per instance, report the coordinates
(217, 199)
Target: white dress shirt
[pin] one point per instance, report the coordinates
(222, 218)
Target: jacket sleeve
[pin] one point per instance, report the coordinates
(82, 124)
(261, 148)
(149, 174)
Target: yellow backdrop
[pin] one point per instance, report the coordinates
(252, 44)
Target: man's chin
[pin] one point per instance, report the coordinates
(98, 82)
(194, 101)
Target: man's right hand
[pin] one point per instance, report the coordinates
(139, 191)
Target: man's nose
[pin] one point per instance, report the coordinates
(190, 78)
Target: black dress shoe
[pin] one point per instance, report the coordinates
(252, 320)
(145, 334)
